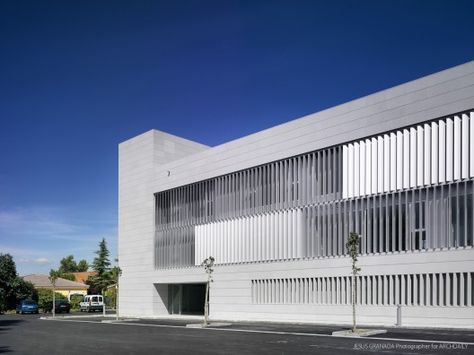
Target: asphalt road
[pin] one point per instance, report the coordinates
(27, 334)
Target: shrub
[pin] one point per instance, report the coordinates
(46, 296)
(75, 301)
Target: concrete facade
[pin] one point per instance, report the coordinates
(307, 285)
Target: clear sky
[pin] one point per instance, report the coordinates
(79, 77)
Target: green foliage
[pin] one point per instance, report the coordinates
(352, 247)
(106, 276)
(68, 276)
(7, 269)
(75, 302)
(99, 283)
(2, 300)
(7, 276)
(53, 276)
(22, 290)
(82, 266)
(45, 296)
(101, 263)
(67, 265)
(111, 297)
(12, 287)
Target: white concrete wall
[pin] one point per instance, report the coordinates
(434, 96)
(141, 160)
(231, 291)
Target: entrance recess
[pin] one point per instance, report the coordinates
(186, 298)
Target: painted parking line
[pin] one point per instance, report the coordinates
(271, 332)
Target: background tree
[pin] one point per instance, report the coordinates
(45, 297)
(352, 247)
(82, 266)
(101, 266)
(22, 290)
(7, 269)
(12, 287)
(2, 300)
(101, 263)
(7, 276)
(67, 276)
(67, 265)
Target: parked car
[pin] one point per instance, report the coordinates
(27, 306)
(92, 303)
(60, 306)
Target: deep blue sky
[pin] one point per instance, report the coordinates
(78, 77)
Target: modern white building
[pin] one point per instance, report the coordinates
(275, 209)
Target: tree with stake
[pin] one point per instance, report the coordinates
(208, 267)
(352, 247)
(53, 276)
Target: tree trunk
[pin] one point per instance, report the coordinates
(353, 304)
(116, 301)
(206, 304)
(103, 302)
(54, 302)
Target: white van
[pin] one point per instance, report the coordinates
(92, 303)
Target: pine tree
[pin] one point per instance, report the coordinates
(101, 263)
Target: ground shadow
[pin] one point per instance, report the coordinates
(5, 349)
(6, 323)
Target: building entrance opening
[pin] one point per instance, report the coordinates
(186, 298)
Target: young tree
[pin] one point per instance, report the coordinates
(53, 276)
(208, 268)
(352, 247)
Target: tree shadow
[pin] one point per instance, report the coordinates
(5, 323)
